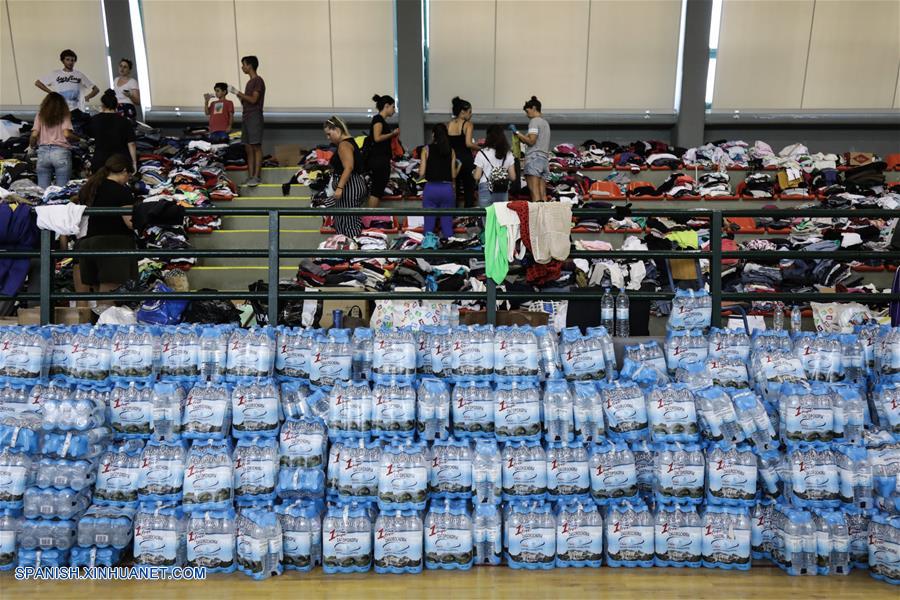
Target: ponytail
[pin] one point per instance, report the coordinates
(441, 138)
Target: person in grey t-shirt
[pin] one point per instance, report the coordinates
(537, 151)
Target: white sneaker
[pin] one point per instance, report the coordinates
(252, 182)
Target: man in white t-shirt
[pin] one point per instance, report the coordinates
(69, 83)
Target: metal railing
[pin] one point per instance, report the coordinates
(274, 253)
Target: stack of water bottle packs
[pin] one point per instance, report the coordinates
(443, 447)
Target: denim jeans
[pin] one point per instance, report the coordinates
(53, 160)
(486, 198)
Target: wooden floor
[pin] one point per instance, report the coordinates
(763, 583)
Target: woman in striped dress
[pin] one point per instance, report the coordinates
(351, 188)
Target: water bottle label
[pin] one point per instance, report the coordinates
(524, 476)
(130, 417)
(403, 483)
(398, 548)
(629, 542)
(393, 412)
(583, 364)
(725, 374)
(21, 360)
(568, 478)
(291, 360)
(301, 448)
(726, 545)
(254, 476)
(249, 359)
(251, 552)
(890, 409)
(204, 414)
(607, 314)
(211, 550)
(350, 412)
(681, 353)
(515, 358)
(518, 416)
(470, 356)
(254, 414)
(207, 484)
(345, 548)
(726, 349)
(678, 543)
(679, 480)
(625, 410)
(578, 542)
(61, 358)
(732, 481)
(358, 476)
(689, 317)
(116, 483)
(807, 423)
(441, 357)
(7, 546)
(180, 358)
(782, 367)
(161, 476)
(448, 545)
(613, 481)
(131, 360)
(529, 544)
(90, 362)
(12, 482)
(473, 411)
(297, 548)
(155, 547)
(815, 481)
(326, 370)
(451, 475)
(672, 414)
(394, 356)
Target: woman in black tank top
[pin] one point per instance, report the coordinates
(439, 168)
(461, 130)
(349, 184)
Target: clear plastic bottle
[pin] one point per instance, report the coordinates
(623, 327)
(796, 320)
(9, 528)
(487, 483)
(607, 310)
(778, 317)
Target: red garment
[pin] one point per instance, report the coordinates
(538, 274)
(521, 208)
(220, 113)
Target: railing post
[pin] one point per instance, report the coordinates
(715, 267)
(45, 278)
(491, 302)
(274, 265)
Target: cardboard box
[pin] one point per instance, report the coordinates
(63, 315)
(287, 155)
(329, 306)
(505, 317)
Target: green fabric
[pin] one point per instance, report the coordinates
(684, 239)
(496, 265)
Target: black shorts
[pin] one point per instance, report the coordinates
(107, 269)
(379, 175)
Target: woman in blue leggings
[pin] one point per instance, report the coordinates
(439, 167)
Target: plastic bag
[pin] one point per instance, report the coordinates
(159, 311)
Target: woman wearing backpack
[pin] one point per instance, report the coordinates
(379, 158)
(494, 168)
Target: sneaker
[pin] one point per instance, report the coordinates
(252, 182)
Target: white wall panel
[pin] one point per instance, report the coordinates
(291, 40)
(627, 69)
(461, 53)
(762, 53)
(9, 83)
(362, 51)
(41, 29)
(541, 51)
(853, 55)
(190, 46)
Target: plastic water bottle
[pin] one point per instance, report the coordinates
(362, 354)
(9, 526)
(167, 400)
(796, 320)
(488, 536)
(15, 476)
(486, 473)
(623, 327)
(778, 317)
(607, 310)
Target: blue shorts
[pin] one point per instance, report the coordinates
(537, 164)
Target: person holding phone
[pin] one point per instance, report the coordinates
(128, 94)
